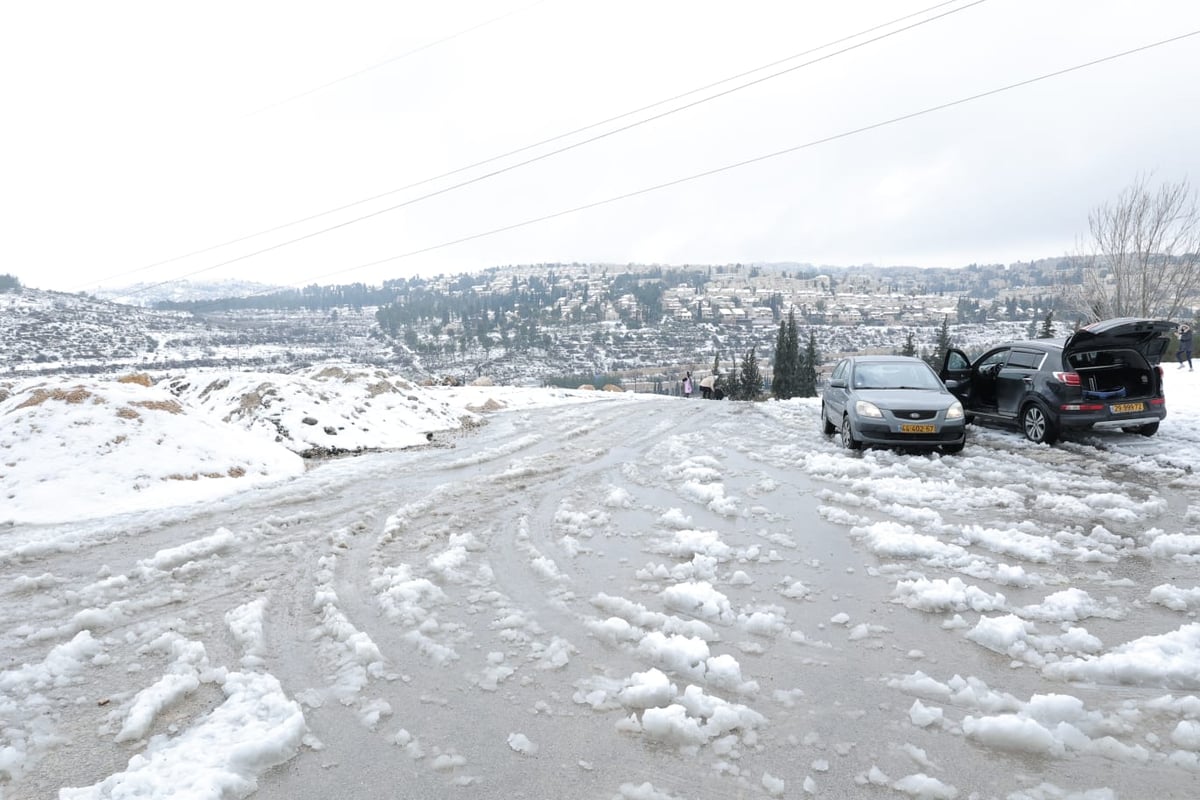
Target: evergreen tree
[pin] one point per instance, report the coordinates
(942, 345)
(786, 382)
(1047, 331)
(910, 345)
(779, 380)
(716, 370)
(750, 381)
(731, 384)
(806, 383)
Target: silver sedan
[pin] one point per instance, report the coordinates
(891, 401)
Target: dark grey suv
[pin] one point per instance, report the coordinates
(1105, 375)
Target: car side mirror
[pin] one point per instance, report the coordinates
(837, 383)
(952, 384)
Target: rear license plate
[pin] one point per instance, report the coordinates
(1126, 408)
(918, 429)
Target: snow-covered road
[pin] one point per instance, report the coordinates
(641, 599)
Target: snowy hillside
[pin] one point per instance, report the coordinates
(117, 444)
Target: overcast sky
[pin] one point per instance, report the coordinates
(137, 133)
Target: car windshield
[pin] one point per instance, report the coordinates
(895, 376)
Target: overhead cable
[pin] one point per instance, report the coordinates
(550, 140)
(391, 60)
(765, 157)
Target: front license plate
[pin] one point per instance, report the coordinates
(1127, 408)
(918, 429)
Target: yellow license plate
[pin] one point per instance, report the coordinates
(918, 429)
(1126, 408)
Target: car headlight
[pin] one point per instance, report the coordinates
(954, 411)
(865, 409)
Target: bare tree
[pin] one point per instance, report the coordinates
(1143, 259)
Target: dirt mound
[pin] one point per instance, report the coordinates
(490, 405)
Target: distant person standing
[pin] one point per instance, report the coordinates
(687, 384)
(1185, 346)
(706, 386)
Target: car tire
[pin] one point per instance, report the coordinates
(1149, 429)
(953, 449)
(848, 440)
(827, 427)
(1037, 425)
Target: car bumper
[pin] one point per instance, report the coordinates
(1081, 420)
(888, 435)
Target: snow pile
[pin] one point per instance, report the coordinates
(329, 408)
(115, 446)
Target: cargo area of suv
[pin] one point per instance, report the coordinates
(1109, 374)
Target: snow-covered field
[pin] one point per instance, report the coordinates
(581, 594)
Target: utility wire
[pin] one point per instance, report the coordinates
(757, 159)
(552, 139)
(391, 60)
(534, 159)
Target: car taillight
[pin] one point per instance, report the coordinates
(1068, 378)
(1081, 406)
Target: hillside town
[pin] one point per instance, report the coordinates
(637, 326)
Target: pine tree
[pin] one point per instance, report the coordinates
(910, 345)
(750, 380)
(731, 384)
(1047, 331)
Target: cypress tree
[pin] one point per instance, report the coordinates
(788, 360)
(807, 375)
(779, 382)
(942, 347)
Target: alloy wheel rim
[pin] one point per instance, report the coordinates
(1035, 424)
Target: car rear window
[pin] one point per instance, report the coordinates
(1094, 359)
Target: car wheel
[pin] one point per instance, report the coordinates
(848, 440)
(1149, 429)
(827, 427)
(951, 449)
(1037, 426)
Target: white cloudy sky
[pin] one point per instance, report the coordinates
(140, 132)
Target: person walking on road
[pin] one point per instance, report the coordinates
(1184, 352)
(687, 384)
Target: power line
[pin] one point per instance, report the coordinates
(541, 157)
(758, 159)
(391, 60)
(550, 140)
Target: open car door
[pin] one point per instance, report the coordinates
(956, 373)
